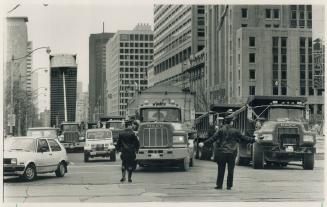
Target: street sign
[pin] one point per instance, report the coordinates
(11, 119)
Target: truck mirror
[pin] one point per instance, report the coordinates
(210, 119)
(249, 114)
(307, 114)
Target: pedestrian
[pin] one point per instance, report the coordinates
(225, 142)
(128, 144)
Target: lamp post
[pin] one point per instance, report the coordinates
(12, 116)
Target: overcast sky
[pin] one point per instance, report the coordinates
(66, 27)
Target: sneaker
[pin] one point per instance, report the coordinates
(122, 179)
(218, 188)
(129, 180)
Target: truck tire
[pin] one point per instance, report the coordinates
(86, 157)
(185, 164)
(113, 156)
(197, 150)
(308, 161)
(257, 156)
(239, 161)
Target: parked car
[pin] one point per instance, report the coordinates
(29, 156)
(43, 132)
(99, 143)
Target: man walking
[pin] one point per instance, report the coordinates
(225, 145)
(128, 144)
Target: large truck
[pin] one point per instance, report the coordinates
(279, 125)
(165, 130)
(115, 123)
(207, 124)
(71, 135)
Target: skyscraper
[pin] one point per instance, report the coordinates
(63, 82)
(129, 53)
(97, 74)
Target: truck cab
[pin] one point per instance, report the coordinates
(164, 138)
(70, 136)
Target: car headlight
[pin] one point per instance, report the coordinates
(265, 137)
(13, 161)
(308, 138)
(178, 139)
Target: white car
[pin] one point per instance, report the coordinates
(99, 143)
(28, 156)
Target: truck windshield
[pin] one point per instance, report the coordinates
(70, 127)
(288, 113)
(163, 114)
(42, 133)
(19, 144)
(117, 125)
(99, 135)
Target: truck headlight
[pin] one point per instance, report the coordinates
(178, 139)
(61, 138)
(307, 138)
(267, 137)
(81, 138)
(13, 161)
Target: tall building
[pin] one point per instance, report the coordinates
(45, 118)
(258, 50)
(29, 66)
(97, 74)
(129, 53)
(178, 34)
(14, 78)
(63, 83)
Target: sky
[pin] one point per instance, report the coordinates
(66, 27)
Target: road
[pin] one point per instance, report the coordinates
(98, 181)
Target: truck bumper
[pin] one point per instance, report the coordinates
(162, 154)
(73, 145)
(95, 153)
(287, 155)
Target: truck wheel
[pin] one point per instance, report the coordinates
(239, 160)
(86, 157)
(113, 156)
(197, 150)
(185, 164)
(308, 161)
(29, 173)
(257, 156)
(60, 172)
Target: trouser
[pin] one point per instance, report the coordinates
(223, 159)
(129, 170)
(129, 165)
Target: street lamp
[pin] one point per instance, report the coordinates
(12, 117)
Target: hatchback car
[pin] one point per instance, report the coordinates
(28, 156)
(99, 143)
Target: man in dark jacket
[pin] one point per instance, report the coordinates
(128, 144)
(225, 145)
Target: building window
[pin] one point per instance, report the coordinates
(239, 91)
(244, 13)
(284, 91)
(268, 13)
(302, 41)
(252, 41)
(319, 109)
(252, 58)
(244, 25)
(239, 43)
(311, 91)
(239, 59)
(251, 74)
(268, 25)
(251, 90)
(276, 13)
(302, 91)
(284, 75)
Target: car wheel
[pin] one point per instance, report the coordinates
(308, 161)
(60, 172)
(86, 157)
(29, 173)
(192, 162)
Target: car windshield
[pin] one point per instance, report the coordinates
(116, 125)
(70, 127)
(99, 135)
(295, 114)
(163, 114)
(42, 133)
(19, 144)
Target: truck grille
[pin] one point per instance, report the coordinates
(71, 137)
(115, 135)
(155, 137)
(288, 136)
(99, 147)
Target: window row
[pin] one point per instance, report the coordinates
(136, 57)
(136, 37)
(136, 44)
(127, 63)
(137, 51)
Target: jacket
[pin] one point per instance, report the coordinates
(128, 144)
(226, 140)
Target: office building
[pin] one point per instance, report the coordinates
(129, 53)
(97, 74)
(63, 83)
